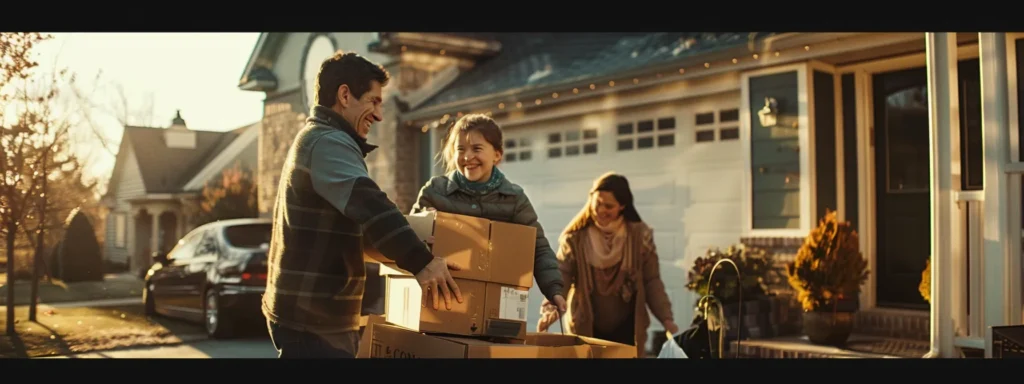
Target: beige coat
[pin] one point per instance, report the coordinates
(645, 276)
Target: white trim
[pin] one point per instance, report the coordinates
(804, 137)
(866, 184)
(255, 53)
(1014, 208)
(722, 84)
(224, 158)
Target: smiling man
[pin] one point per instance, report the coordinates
(326, 203)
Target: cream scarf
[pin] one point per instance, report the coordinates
(606, 243)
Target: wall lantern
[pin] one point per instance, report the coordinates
(769, 115)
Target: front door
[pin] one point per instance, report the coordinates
(902, 186)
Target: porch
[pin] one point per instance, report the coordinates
(158, 222)
(915, 142)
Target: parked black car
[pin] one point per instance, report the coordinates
(216, 275)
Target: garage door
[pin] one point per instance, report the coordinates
(684, 164)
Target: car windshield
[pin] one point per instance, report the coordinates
(248, 235)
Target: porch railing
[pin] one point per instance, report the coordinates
(968, 277)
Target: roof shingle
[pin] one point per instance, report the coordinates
(541, 59)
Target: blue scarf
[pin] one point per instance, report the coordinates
(480, 188)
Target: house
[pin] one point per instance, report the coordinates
(726, 138)
(157, 181)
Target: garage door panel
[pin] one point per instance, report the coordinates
(723, 217)
(715, 185)
(653, 189)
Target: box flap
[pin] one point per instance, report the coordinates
(389, 341)
(604, 349)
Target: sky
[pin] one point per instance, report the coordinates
(160, 73)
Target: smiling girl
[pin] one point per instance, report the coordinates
(475, 187)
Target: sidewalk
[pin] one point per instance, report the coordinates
(199, 348)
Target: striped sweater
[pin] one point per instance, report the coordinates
(326, 203)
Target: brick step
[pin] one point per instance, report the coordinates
(893, 323)
(858, 346)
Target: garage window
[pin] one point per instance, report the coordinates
(572, 143)
(646, 134)
(518, 149)
(726, 126)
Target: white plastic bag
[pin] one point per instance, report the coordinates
(671, 350)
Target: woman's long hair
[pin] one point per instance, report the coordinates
(608, 182)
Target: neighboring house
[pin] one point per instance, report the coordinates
(847, 129)
(157, 181)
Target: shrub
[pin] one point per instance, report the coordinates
(753, 264)
(829, 266)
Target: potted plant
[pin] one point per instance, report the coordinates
(827, 274)
(753, 264)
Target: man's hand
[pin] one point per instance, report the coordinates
(435, 280)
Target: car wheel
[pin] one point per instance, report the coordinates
(216, 320)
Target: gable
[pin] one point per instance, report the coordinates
(166, 169)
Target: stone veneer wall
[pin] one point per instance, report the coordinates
(787, 313)
(394, 166)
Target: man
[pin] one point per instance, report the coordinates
(326, 203)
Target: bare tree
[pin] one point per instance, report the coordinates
(16, 138)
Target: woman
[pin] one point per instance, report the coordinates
(610, 265)
(475, 187)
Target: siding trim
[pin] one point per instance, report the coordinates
(805, 137)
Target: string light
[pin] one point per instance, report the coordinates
(611, 83)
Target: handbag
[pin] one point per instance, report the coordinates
(696, 340)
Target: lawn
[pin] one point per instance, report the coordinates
(114, 286)
(62, 331)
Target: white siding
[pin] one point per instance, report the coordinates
(689, 193)
(130, 187)
(287, 65)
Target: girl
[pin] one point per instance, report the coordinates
(475, 187)
(610, 266)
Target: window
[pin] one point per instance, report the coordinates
(727, 126)
(518, 149)
(646, 134)
(572, 143)
(120, 230)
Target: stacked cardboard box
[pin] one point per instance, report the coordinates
(496, 260)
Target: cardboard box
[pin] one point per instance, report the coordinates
(487, 250)
(383, 340)
(488, 309)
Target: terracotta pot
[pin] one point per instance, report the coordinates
(827, 327)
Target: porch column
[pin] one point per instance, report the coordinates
(154, 238)
(1001, 268)
(943, 135)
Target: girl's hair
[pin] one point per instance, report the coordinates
(608, 182)
(487, 127)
